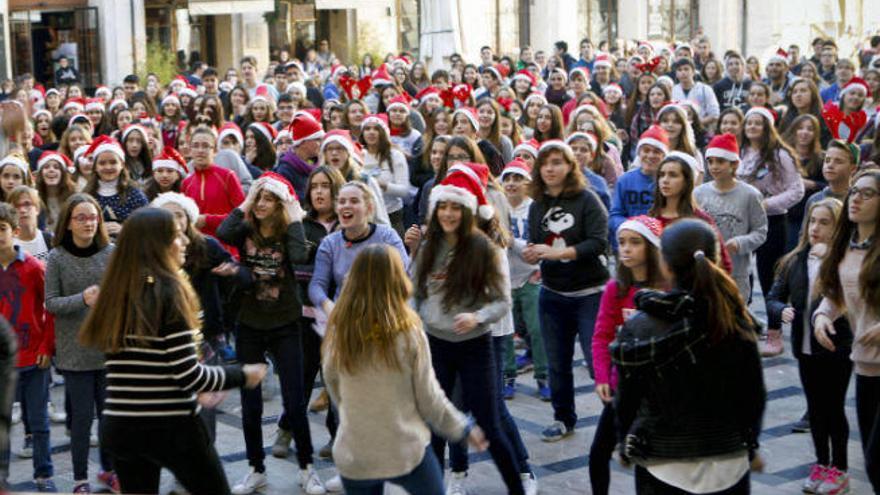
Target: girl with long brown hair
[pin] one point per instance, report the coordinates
(388, 166)
(460, 291)
(375, 352)
(146, 321)
(687, 424)
(849, 280)
(268, 233)
(549, 124)
(54, 183)
(804, 136)
(824, 375)
(489, 118)
(117, 194)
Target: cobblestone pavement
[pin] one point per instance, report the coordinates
(561, 467)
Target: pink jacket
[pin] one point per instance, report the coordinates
(610, 318)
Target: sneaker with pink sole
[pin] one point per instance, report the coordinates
(836, 483)
(816, 477)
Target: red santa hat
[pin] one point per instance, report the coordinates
(381, 77)
(856, 84)
(188, 90)
(48, 156)
(172, 160)
(277, 185)
(379, 119)
(723, 146)
(613, 88)
(174, 198)
(779, 55)
(590, 137)
(462, 93)
(525, 75)
(517, 167)
(580, 71)
(79, 154)
(265, 129)
(462, 186)
(314, 113)
(429, 93)
(470, 113)
(105, 144)
(178, 82)
(338, 70)
(305, 127)
(230, 129)
(17, 161)
(536, 96)
(119, 102)
(602, 60)
(654, 136)
(341, 137)
(134, 127)
(94, 104)
(555, 144)
(648, 227)
(765, 112)
(79, 104)
(42, 111)
(531, 146)
(261, 94)
(500, 71)
(401, 61)
(52, 91)
(170, 98)
(398, 101)
(283, 133)
(480, 171)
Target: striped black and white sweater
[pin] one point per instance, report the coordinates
(161, 376)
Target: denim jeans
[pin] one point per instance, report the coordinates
(458, 452)
(311, 343)
(90, 390)
(285, 346)
(425, 479)
(564, 319)
(33, 387)
(525, 309)
(473, 360)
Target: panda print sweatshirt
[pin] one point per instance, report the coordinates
(578, 220)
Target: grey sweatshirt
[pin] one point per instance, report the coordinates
(740, 217)
(67, 276)
(438, 320)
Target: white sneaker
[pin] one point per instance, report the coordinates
(252, 482)
(310, 482)
(334, 484)
(456, 484)
(16, 413)
(93, 440)
(56, 416)
(529, 483)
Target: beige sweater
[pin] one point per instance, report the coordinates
(862, 319)
(384, 414)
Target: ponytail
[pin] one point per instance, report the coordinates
(726, 310)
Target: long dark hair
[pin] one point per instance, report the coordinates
(62, 227)
(472, 274)
(813, 166)
(557, 128)
(148, 290)
(145, 158)
(123, 185)
(265, 157)
(869, 274)
(626, 279)
(686, 204)
(690, 249)
(383, 151)
(336, 183)
(771, 146)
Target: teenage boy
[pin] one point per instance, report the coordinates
(841, 163)
(634, 192)
(735, 206)
(688, 88)
(525, 282)
(22, 295)
(733, 90)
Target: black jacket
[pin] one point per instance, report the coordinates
(212, 289)
(577, 220)
(680, 396)
(792, 289)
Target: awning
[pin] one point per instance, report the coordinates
(225, 7)
(350, 4)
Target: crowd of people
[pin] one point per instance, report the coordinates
(414, 241)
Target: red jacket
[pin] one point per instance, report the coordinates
(611, 316)
(217, 191)
(22, 297)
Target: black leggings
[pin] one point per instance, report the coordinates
(825, 379)
(769, 253)
(604, 441)
(868, 413)
(647, 484)
(140, 449)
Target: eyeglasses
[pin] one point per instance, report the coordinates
(864, 193)
(85, 218)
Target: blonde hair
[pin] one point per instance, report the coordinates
(367, 194)
(371, 313)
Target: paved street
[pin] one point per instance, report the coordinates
(561, 467)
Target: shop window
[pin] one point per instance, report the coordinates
(408, 18)
(601, 17)
(679, 19)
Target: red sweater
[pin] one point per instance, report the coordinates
(22, 297)
(726, 262)
(610, 317)
(217, 191)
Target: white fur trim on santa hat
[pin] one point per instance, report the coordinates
(508, 170)
(169, 165)
(116, 103)
(94, 105)
(652, 142)
(173, 198)
(762, 111)
(262, 130)
(582, 135)
(536, 96)
(319, 134)
(397, 104)
(172, 98)
(556, 144)
(18, 162)
(471, 117)
(109, 148)
(689, 159)
(283, 133)
(722, 153)
(854, 86)
(134, 127)
(603, 60)
(641, 229)
(229, 131)
(460, 167)
(453, 194)
(275, 187)
(54, 157)
(526, 146)
(42, 111)
(346, 143)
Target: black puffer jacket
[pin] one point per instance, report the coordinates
(680, 396)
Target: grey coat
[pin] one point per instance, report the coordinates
(67, 276)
